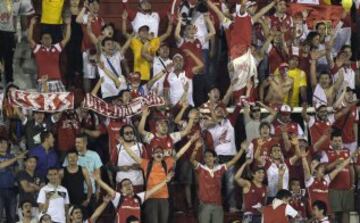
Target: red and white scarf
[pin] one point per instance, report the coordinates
(45, 102)
(136, 106)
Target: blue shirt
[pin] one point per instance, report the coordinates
(7, 176)
(45, 160)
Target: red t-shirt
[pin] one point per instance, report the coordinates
(317, 129)
(342, 181)
(112, 128)
(195, 48)
(210, 183)
(318, 190)
(239, 36)
(130, 206)
(346, 122)
(96, 26)
(299, 204)
(276, 57)
(67, 129)
(48, 61)
(253, 197)
(277, 215)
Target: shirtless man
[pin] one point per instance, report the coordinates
(280, 87)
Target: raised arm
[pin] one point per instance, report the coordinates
(126, 45)
(179, 116)
(183, 149)
(242, 182)
(263, 11)
(305, 164)
(80, 16)
(217, 11)
(164, 36)
(30, 35)
(131, 153)
(109, 74)
(304, 114)
(210, 27)
(97, 87)
(156, 188)
(100, 209)
(193, 160)
(340, 80)
(104, 185)
(124, 17)
(67, 36)
(233, 161)
(90, 33)
(178, 29)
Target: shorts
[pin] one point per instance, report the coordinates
(341, 200)
(53, 86)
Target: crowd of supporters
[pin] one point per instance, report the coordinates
(258, 114)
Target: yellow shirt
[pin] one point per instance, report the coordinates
(299, 77)
(52, 12)
(141, 65)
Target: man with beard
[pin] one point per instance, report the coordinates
(76, 214)
(156, 171)
(126, 167)
(320, 126)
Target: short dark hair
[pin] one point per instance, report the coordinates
(344, 47)
(211, 151)
(72, 151)
(123, 180)
(75, 207)
(105, 40)
(319, 24)
(335, 133)
(25, 201)
(122, 130)
(283, 194)
(3, 138)
(53, 168)
(321, 206)
(44, 135)
(121, 93)
(110, 24)
(262, 124)
(81, 135)
(131, 219)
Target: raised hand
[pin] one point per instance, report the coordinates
(124, 15)
(170, 176)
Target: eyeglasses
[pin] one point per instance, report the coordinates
(129, 133)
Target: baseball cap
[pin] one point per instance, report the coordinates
(285, 109)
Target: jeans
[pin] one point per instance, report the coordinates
(211, 213)
(7, 49)
(8, 202)
(156, 210)
(228, 183)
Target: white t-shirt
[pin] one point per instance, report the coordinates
(108, 88)
(223, 135)
(57, 202)
(177, 85)
(349, 78)
(151, 20)
(272, 173)
(158, 66)
(117, 198)
(124, 159)
(202, 31)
